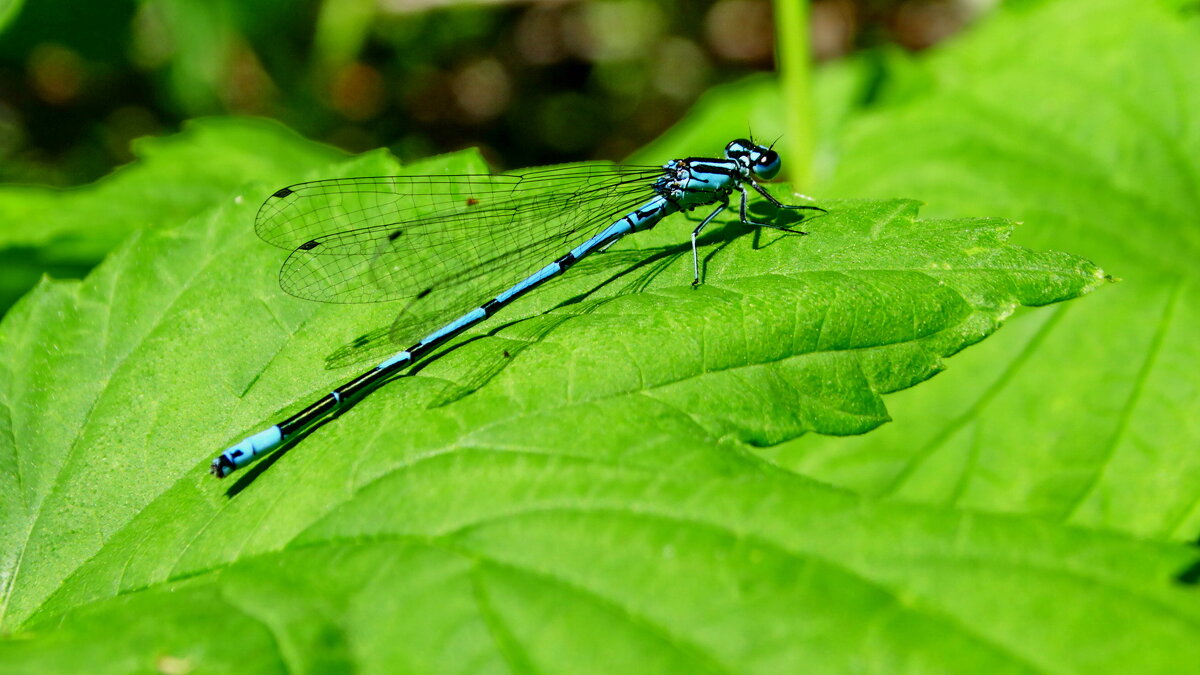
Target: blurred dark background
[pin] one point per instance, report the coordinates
(529, 82)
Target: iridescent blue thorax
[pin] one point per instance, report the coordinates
(692, 182)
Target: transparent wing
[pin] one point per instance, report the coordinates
(446, 243)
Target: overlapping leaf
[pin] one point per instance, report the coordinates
(1078, 119)
(1075, 118)
(65, 232)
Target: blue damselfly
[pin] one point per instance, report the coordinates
(444, 242)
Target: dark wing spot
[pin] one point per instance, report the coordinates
(424, 293)
(283, 192)
(362, 340)
(393, 236)
(471, 201)
(309, 245)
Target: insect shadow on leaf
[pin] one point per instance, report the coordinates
(632, 271)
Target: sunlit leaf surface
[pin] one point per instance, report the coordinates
(571, 487)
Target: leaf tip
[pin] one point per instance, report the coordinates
(1100, 278)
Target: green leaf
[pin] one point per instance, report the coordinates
(66, 232)
(567, 487)
(1078, 119)
(9, 9)
(562, 563)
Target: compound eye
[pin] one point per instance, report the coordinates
(766, 166)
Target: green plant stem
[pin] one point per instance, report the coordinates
(794, 60)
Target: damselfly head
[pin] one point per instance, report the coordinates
(763, 162)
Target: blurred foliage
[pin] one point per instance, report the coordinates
(529, 83)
